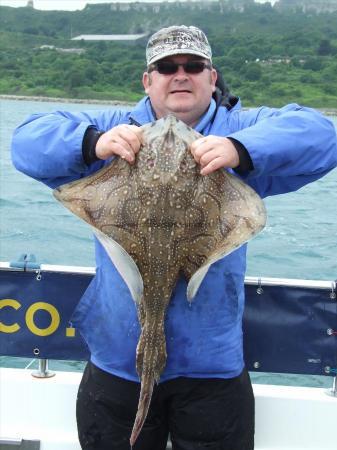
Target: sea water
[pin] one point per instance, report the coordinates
(299, 241)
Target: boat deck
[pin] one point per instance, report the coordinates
(287, 417)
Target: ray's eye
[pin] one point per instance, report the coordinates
(150, 163)
(184, 165)
(149, 160)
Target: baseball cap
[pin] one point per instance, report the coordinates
(177, 40)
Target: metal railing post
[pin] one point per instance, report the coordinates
(334, 387)
(43, 371)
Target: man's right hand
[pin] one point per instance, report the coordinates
(122, 140)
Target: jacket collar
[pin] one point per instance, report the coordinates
(143, 113)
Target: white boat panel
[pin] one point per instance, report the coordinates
(293, 418)
(39, 408)
(287, 418)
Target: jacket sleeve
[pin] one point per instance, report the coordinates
(48, 147)
(289, 147)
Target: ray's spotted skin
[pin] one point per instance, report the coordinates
(160, 218)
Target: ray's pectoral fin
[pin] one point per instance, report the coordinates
(224, 248)
(232, 241)
(195, 281)
(78, 196)
(245, 222)
(124, 264)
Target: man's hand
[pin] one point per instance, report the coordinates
(122, 140)
(214, 152)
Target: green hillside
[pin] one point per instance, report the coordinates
(266, 55)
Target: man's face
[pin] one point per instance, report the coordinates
(185, 95)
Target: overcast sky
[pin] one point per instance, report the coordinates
(74, 4)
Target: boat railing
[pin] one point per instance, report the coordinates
(290, 325)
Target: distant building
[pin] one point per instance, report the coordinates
(77, 51)
(307, 5)
(158, 6)
(109, 37)
(30, 4)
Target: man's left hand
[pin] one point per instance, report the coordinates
(214, 152)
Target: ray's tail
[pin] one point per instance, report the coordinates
(145, 396)
(151, 359)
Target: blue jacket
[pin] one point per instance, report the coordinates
(289, 148)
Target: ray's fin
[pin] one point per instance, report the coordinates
(195, 282)
(124, 264)
(239, 235)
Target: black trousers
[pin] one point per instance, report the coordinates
(199, 414)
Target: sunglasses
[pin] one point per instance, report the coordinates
(170, 67)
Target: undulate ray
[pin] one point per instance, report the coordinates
(158, 219)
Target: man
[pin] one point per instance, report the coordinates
(204, 398)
